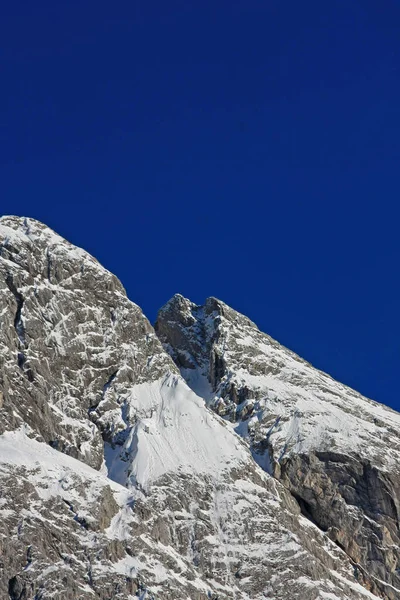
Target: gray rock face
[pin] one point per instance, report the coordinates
(68, 336)
(116, 480)
(337, 452)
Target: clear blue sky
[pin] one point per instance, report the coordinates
(248, 150)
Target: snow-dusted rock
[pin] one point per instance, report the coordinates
(69, 337)
(336, 451)
(116, 480)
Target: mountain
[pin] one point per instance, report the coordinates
(200, 461)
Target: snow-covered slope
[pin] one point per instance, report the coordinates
(338, 452)
(117, 481)
(172, 432)
(249, 374)
(68, 531)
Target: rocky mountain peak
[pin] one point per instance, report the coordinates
(205, 461)
(70, 336)
(191, 332)
(336, 451)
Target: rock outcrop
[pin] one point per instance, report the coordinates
(337, 452)
(118, 481)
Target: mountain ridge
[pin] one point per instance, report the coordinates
(297, 420)
(180, 507)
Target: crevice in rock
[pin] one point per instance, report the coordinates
(90, 575)
(28, 557)
(340, 546)
(21, 360)
(307, 511)
(16, 588)
(30, 375)
(109, 382)
(81, 520)
(48, 258)
(27, 227)
(217, 367)
(18, 323)
(106, 386)
(20, 328)
(106, 432)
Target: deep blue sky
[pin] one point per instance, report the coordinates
(247, 150)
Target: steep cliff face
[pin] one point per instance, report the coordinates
(337, 452)
(69, 338)
(116, 480)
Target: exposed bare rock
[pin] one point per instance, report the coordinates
(68, 335)
(337, 452)
(116, 480)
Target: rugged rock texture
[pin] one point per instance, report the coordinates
(116, 480)
(68, 332)
(337, 452)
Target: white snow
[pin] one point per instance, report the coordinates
(174, 432)
(169, 430)
(298, 407)
(53, 473)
